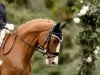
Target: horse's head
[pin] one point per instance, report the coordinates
(50, 42)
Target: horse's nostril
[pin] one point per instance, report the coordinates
(53, 63)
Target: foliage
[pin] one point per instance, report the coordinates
(49, 3)
(88, 39)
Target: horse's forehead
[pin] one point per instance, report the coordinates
(59, 37)
(57, 32)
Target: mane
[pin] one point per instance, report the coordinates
(47, 24)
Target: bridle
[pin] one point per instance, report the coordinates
(47, 52)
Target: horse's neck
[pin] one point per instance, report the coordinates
(18, 46)
(28, 46)
(29, 33)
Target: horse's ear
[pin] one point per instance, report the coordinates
(58, 25)
(56, 28)
(63, 25)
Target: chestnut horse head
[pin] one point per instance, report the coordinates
(41, 35)
(50, 41)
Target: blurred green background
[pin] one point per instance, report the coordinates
(21, 11)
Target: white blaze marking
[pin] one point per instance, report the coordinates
(57, 50)
(56, 58)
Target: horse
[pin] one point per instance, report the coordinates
(18, 47)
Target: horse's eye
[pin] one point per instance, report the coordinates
(55, 40)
